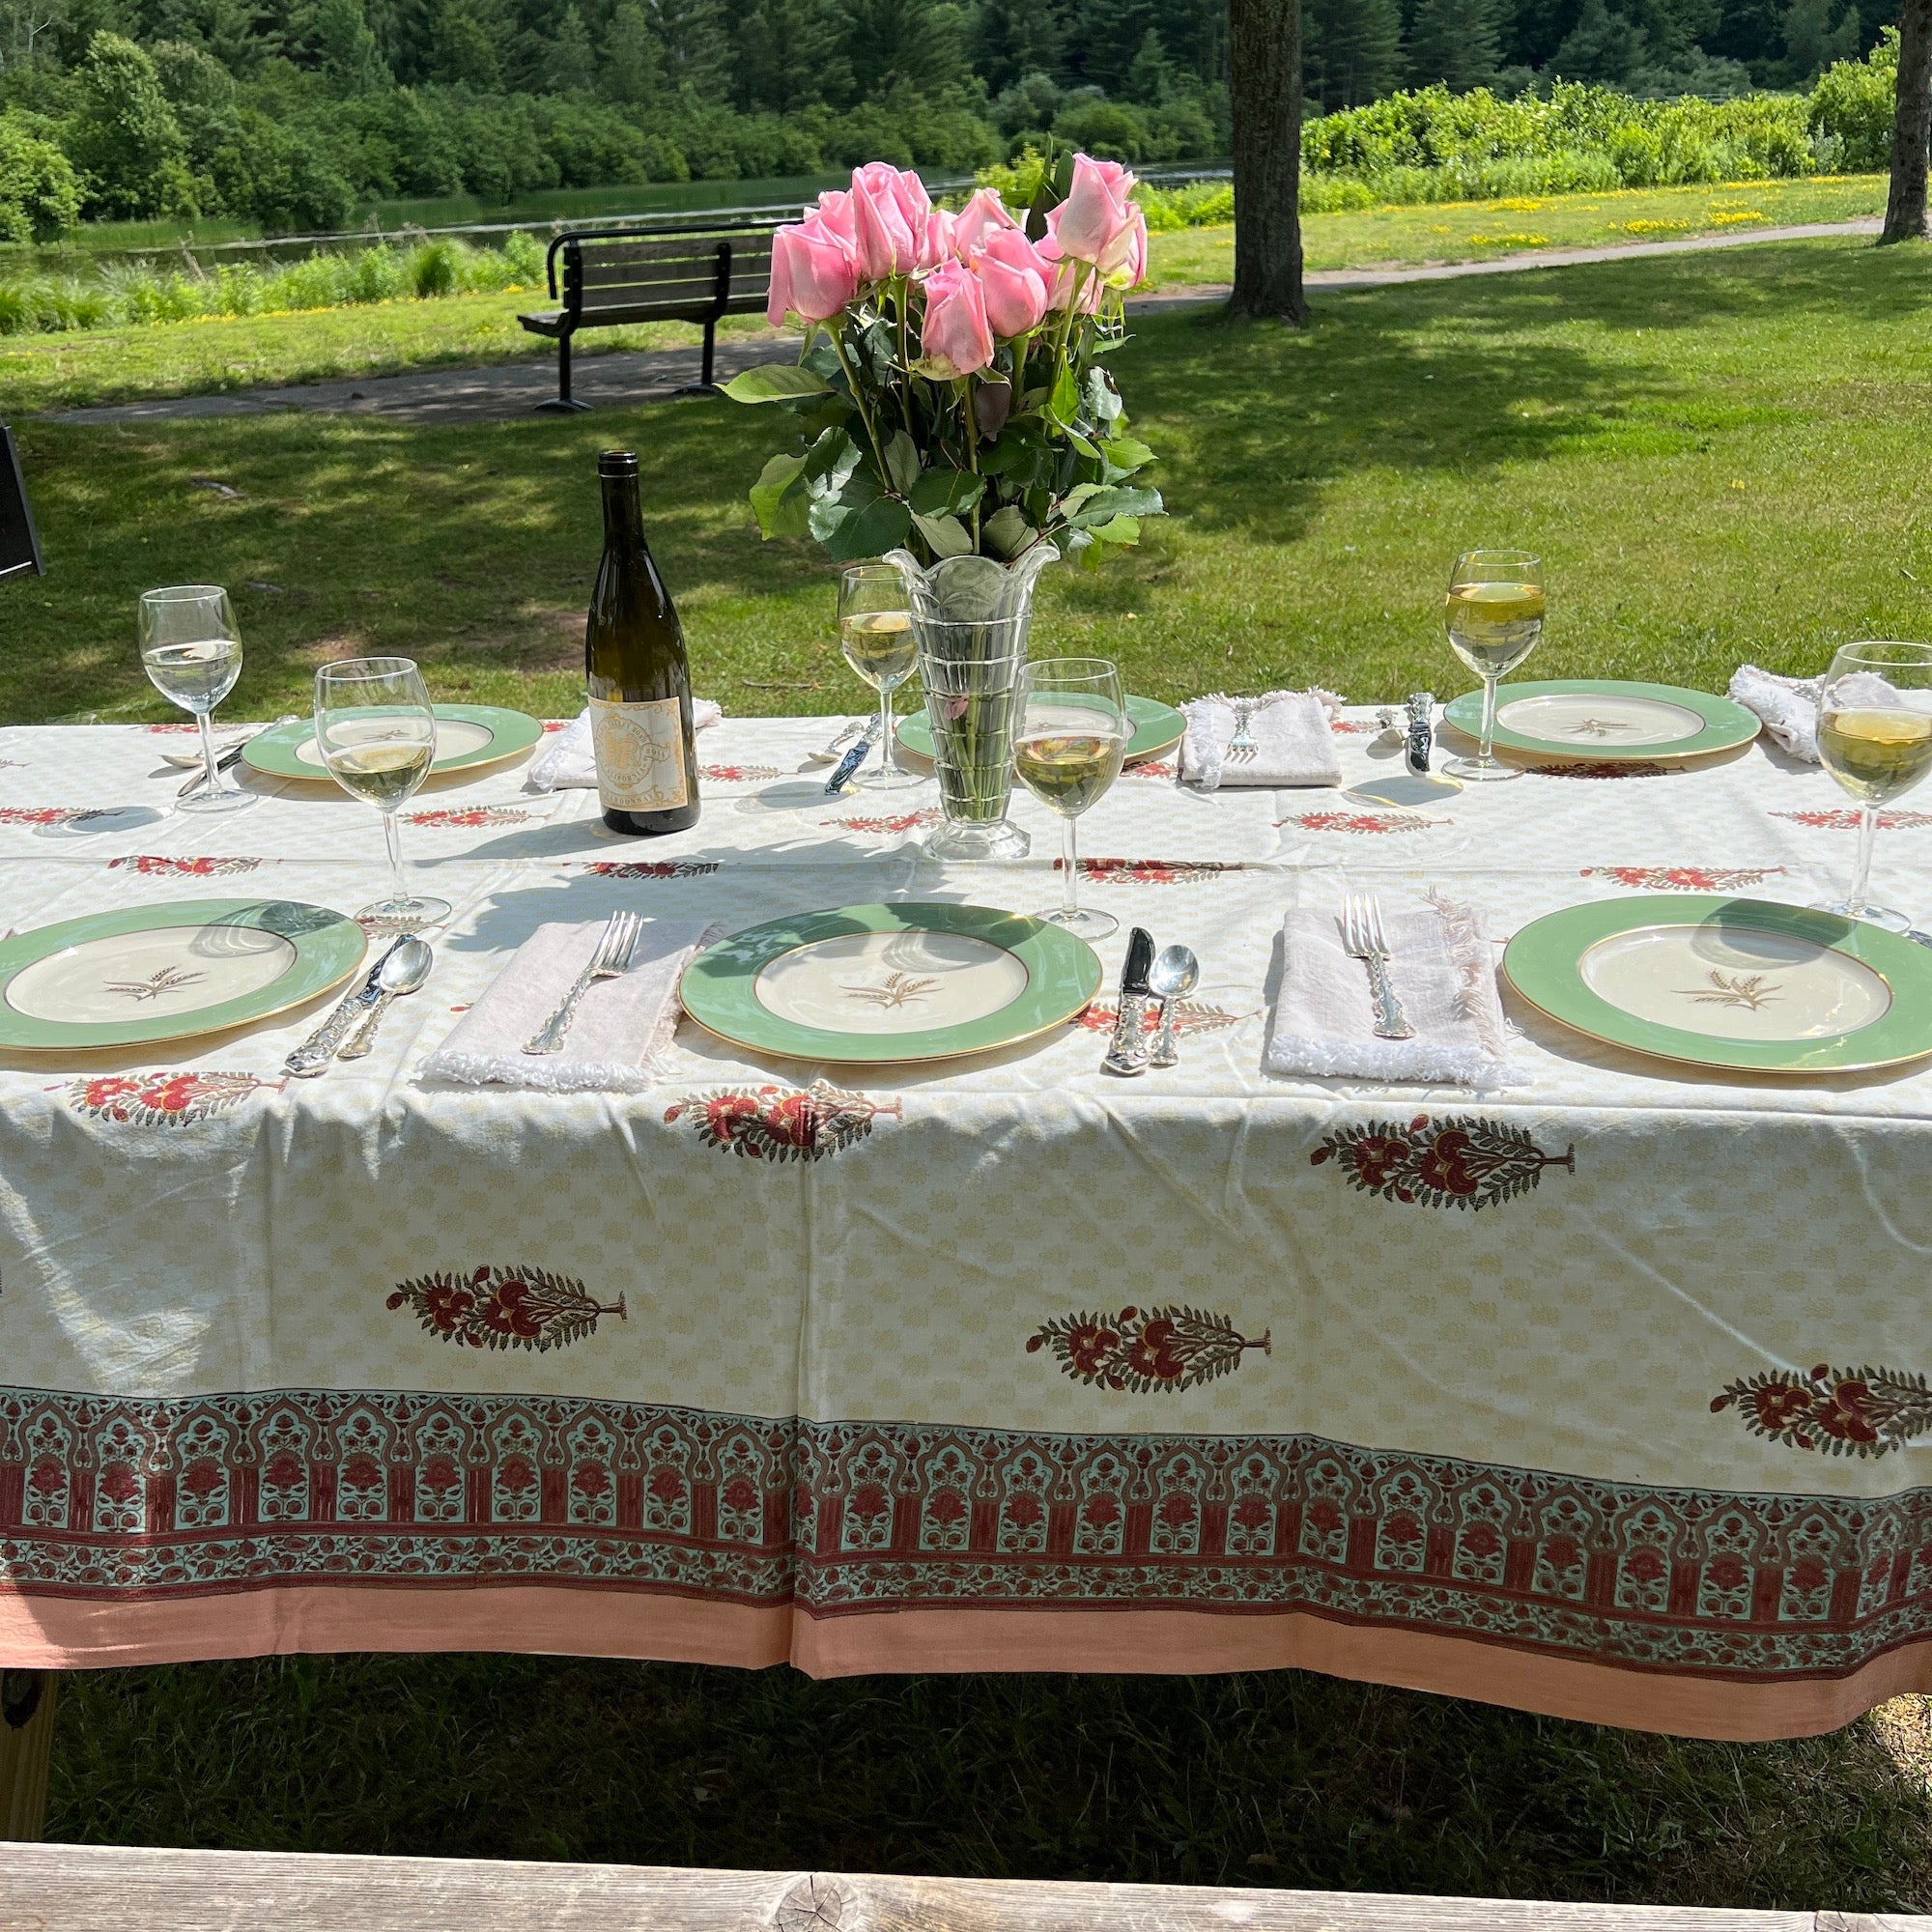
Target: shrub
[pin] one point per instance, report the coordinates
(1850, 113)
(40, 192)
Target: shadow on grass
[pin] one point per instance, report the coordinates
(1276, 1780)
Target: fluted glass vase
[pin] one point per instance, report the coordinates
(971, 615)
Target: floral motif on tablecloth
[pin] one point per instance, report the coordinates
(1190, 1017)
(1146, 1349)
(1460, 1162)
(1361, 821)
(1355, 727)
(155, 865)
(1845, 818)
(160, 1099)
(897, 821)
(1862, 1412)
(493, 1307)
(653, 869)
(1683, 878)
(40, 815)
(1151, 767)
(738, 773)
(470, 815)
(1152, 872)
(783, 1124)
(1607, 767)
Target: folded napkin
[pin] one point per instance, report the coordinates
(1789, 705)
(1294, 745)
(621, 1024)
(571, 759)
(1443, 970)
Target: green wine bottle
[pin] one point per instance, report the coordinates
(639, 674)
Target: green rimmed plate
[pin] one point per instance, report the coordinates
(886, 983)
(1608, 721)
(468, 737)
(151, 973)
(1158, 727)
(1743, 984)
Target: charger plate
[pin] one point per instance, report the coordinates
(886, 983)
(1727, 982)
(1158, 727)
(1608, 721)
(468, 737)
(151, 973)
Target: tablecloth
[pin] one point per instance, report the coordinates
(1604, 1396)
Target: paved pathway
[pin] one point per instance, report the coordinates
(511, 390)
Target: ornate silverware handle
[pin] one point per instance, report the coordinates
(1128, 1053)
(550, 1036)
(358, 1043)
(1165, 1053)
(1391, 1022)
(315, 1053)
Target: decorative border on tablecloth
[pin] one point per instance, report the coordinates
(146, 1500)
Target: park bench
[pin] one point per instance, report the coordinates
(611, 276)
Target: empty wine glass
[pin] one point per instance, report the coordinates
(1875, 738)
(1072, 736)
(376, 730)
(1494, 618)
(192, 652)
(876, 635)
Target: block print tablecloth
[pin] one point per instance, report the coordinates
(1603, 1397)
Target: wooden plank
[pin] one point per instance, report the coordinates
(644, 295)
(26, 1750)
(89, 1889)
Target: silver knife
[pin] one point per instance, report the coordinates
(852, 760)
(233, 756)
(1128, 1053)
(313, 1055)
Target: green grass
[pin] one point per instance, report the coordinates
(1721, 457)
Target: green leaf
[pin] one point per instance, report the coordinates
(1114, 501)
(831, 462)
(1103, 400)
(947, 535)
(947, 493)
(1126, 455)
(778, 482)
(775, 383)
(881, 525)
(902, 462)
(1007, 532)
(1065, 404)
(1078, 442)
(1118, 530)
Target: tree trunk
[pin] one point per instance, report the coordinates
(1264, 53)
(1906, 217)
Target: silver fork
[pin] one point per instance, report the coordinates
(619, 940)
(1241, 746)
(1363, 939)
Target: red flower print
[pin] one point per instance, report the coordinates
(1403, 1530)
(284, 1470)
(440, 1475)
(665, 1484)
(1089, 1344)
(1561, 1553)
(1645, 1565)
(507, 1311)
(1780, 1403)
(1726, 1573)
(947, 1506)
(1378, 1159)
(1847, 1417)
(498, 1307)
(740, 1493)
(1808, 1573)
(49, 1479)
(98, 1096)
(590, 1481)
(201, 1478)
(119, 1482)
(1098, 1512)
(1482, 1541)
(1176, 1510)
(868, 1502)
(362, 1472)
(1445, 1164)
(1024, 1511)
(1151, 1353)
(1250, 1513)
(1324, 1517)
(517, 1476)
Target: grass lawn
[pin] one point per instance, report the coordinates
(75, 368)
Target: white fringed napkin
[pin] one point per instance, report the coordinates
(1294, 745)
(621, 1026)
(1443, 970)
(570, 759)
(1789, 705)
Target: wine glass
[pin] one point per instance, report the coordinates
(1875, 738)
(376, 732)
(1494, 618)
(1072, 736)
(876, 635)
(192, 653)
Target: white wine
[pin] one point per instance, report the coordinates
(1876, 754)
(638, 673)
(384, 771)
(1067, 771)
(879, 646)
(196, 676)
(1492, 627)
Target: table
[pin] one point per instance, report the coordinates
(991, 1366)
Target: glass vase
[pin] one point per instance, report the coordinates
(971, 615)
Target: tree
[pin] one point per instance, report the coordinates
(568, 65)
(1602, 46)
(1454, 42)
(791, 54)
(1906, 217)
(1811, 43)
(338, 36)
(1352, 51)
(632, 72)
(38, 194)
(123, 135)
(464, 49)
(1264, 53)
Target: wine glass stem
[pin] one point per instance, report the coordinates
(393, 834)
(1489, 718)
(1069, 865)
(885, 728)
(1862, 869)
(210, 779)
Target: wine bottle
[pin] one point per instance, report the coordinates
(639, 677)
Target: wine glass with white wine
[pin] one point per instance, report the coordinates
(1494, 618)
(376, 730)
(192, 653)
(1067, 752)
(876, 635)
(1875, 738)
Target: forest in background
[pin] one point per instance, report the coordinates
(294, 114)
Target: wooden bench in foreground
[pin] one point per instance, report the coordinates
(617, 275)
(97, 1889)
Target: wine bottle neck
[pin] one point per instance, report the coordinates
(623, 513)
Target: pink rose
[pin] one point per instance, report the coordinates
(983, 217)
(834, 211)
(956, 340)
(814, 275)
(937, 244)
(888, 211)
(1067, 276)
(1093, 223)
(1015, 282)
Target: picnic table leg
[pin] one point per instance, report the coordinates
(563, 401)
(26, 1750)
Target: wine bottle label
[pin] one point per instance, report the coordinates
(640, 755)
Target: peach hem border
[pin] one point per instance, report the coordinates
(43, 1631)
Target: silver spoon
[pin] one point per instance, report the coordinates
(403, 971)
(1172, 977)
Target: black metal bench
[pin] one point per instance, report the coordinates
(616, 276)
